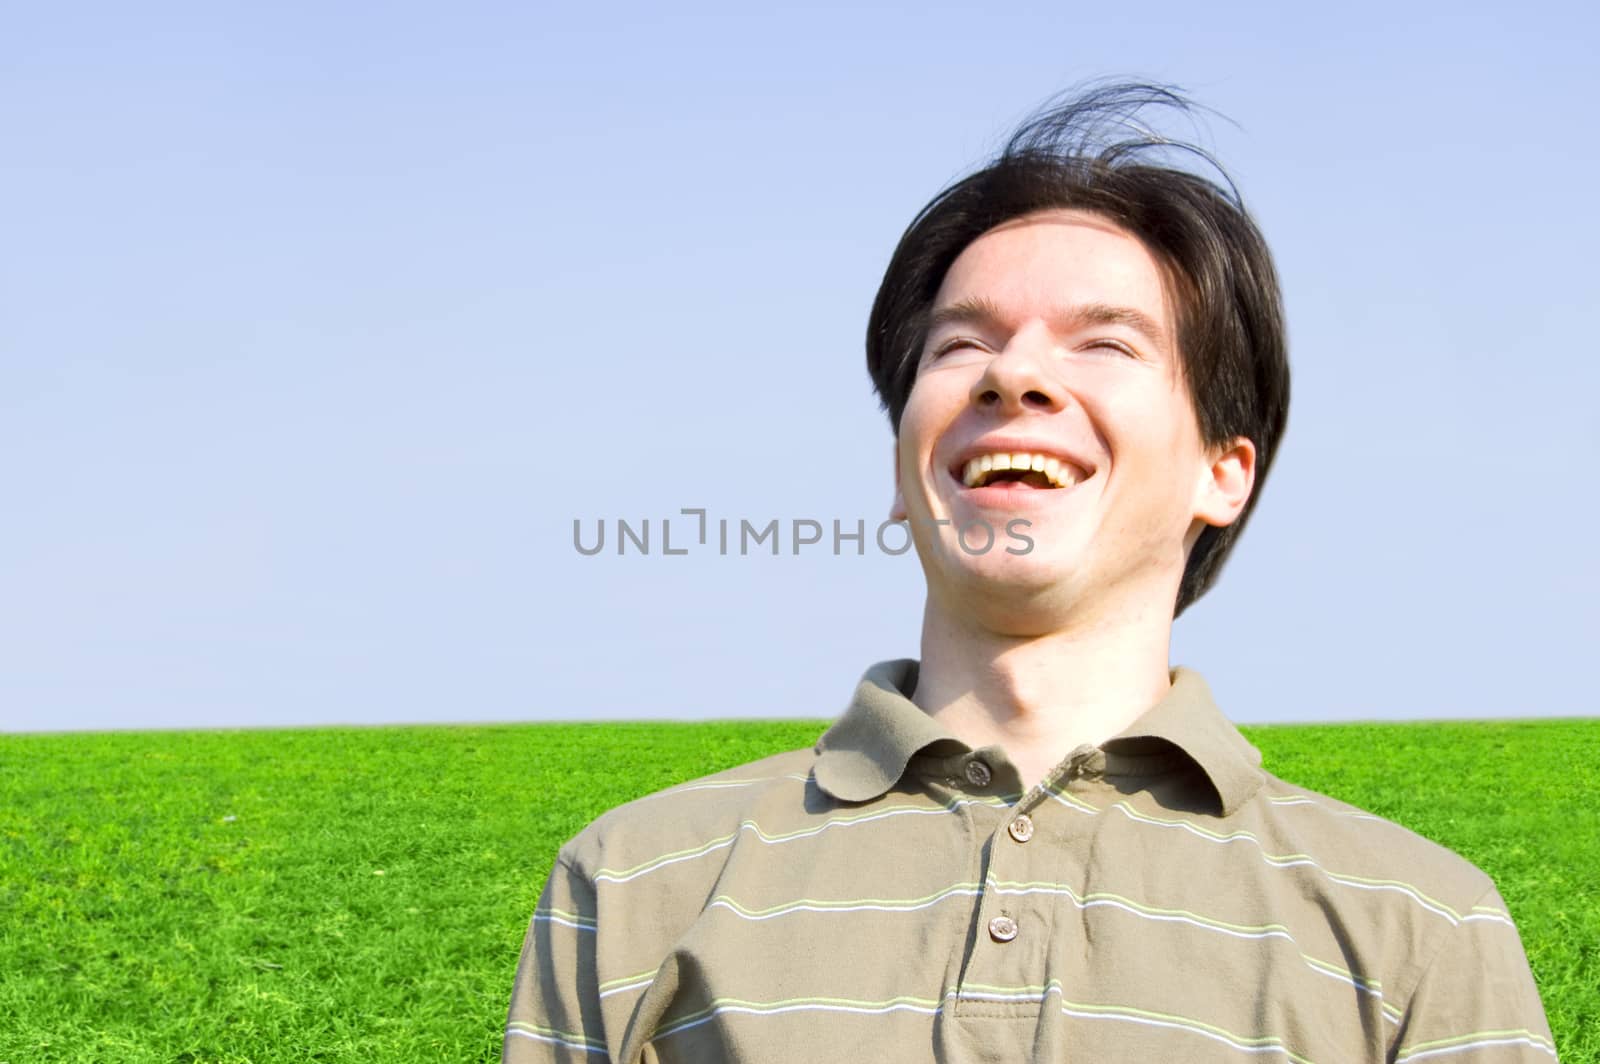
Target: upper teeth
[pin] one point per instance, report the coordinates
(978, 469)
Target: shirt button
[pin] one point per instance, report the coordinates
(1021, 828)
(1002, 929)
(977, 773)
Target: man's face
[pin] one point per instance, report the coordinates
(1053, 335)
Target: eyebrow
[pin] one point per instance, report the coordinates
(981, 311)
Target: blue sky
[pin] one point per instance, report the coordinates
(322, 323)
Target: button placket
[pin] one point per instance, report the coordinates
(1012, 940)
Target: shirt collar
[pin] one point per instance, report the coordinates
(867, 749)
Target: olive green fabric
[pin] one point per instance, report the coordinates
(892, 895)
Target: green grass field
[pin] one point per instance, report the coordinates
(361, 894)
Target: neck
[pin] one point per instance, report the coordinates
(1040, 696)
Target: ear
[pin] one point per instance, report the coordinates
(897, 508)
(1224, 487)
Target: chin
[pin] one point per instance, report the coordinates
(999, 573)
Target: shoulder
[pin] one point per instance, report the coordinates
(1377, 856)
(700, 814)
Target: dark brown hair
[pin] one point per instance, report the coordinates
(1232, 346)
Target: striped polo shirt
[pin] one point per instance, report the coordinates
(894, 895)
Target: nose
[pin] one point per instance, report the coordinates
(1022, 377)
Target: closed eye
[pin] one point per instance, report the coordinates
(951, 345)
(1114, 345)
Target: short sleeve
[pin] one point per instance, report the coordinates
(1477, 1002)
(555, 1000)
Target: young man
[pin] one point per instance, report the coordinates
(1038, 841)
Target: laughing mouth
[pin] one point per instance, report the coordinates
(1024, 470)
